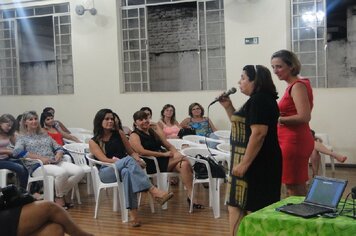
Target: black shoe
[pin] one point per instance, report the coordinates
(195, 205)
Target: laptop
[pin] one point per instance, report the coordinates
(323, 197)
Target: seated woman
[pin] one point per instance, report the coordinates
(48, 124)
(202, 125)
(58, 124)
(110, 144)
(34, 144)
(38, 218)
(168, 122)
(315, 157)
(153, 125)
(147, 142)
(7, 138)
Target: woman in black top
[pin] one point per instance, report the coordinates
(110, 144)
(38, 218)
(147, 142)
(256, 159)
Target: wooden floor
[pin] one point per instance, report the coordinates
(176, 220)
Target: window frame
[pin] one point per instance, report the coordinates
(64, 70)
(141, 78)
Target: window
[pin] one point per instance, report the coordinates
(173, 45)
(35, 51)
(309, 39)
(323, 38)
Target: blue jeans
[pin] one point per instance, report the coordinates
(16, 166)
(133, 177)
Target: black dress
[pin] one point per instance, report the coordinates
(263, 177)
(152, 142)
(9, 219)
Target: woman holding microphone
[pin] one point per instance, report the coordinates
(256, 162)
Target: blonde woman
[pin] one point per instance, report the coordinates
(33, 143)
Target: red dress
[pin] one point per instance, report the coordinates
(57, 137)
(296, 141)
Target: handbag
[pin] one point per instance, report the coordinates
(201, 172)
(186, 131)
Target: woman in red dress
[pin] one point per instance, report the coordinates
(294, 136)
(48, 124)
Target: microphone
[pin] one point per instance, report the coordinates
(225, 94)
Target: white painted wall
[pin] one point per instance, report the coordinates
(96, 70)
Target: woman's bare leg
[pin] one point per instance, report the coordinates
(185, 170)
(52, 229)
(315, 162)
(134, 221)
(296, 189)
(36, 215)
(235, 217)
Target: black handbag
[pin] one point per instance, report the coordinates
(201, 172)
(186, 131)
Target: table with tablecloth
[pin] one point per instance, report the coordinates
(268, 221)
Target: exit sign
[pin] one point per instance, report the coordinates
(253, 40)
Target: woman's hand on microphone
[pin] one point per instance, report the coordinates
(225, 101)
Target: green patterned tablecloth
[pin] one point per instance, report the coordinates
(268, 221)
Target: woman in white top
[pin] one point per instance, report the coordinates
(168, 122)
(33, 143)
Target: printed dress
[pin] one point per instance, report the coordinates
(261, 184)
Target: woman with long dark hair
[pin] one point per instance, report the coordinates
(110, 144)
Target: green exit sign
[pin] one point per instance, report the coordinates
(253, 40)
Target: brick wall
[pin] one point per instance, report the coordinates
(172, 28)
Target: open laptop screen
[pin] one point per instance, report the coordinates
(326, 191)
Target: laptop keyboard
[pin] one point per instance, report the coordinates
(307, 209)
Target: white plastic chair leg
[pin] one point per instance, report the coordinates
(48, 188)
(164, 185)
(323, 165)
(88, 183)
(332, 163)
(75, 190)
(115, 206)
(150, 199)
(3, 177)
(97, 199)
(215, 186)
(124, 211)
(191, 199)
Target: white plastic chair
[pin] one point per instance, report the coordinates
(201, 139)
(214, 183)
(118, 188)
(48, 182)
(225, 148)
(178, 143)
(83, 137)
(80, 130)
(325, 140)
(78, 151)
(161, 178)
(193, 151)
(3, 177)
(223, 135)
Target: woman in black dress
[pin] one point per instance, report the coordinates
(256, 163)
